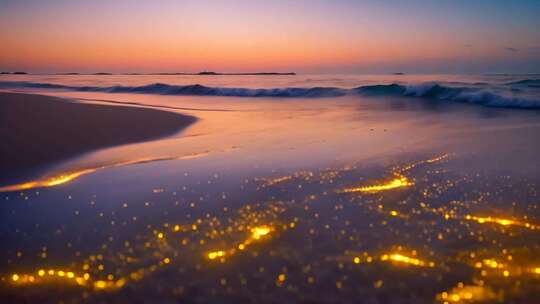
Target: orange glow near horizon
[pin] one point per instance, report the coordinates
(243, 36)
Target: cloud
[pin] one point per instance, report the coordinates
(511, 49)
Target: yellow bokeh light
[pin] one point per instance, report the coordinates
(258, 232)
(216, 254)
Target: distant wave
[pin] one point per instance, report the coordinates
(535, 83)
(195, 89)
(432, 90)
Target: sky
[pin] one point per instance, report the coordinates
(311, 36)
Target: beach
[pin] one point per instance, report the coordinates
(314, 189)
(38, 130)
(291, 152)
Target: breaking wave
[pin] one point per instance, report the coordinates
(434, 91)
(437, 91)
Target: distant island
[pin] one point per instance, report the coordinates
(203, 73)
(206, 73)
(398, 73)
(258, 73)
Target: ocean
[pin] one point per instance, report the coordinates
(497, 90)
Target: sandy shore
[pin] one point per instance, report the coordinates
(39, 130)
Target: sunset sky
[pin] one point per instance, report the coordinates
(303, 36)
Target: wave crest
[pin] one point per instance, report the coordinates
(431, 90)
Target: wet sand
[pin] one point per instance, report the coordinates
(310, 201)
(39, 130)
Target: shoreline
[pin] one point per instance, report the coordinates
(38, 130)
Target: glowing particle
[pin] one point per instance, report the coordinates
(41, 272)
(15, 277)
(216, 254)
(100, 284)
(259, 232)
(166, 260)
(120, 283)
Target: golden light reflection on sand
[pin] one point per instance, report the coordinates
(52, 276)
(395, 258)
(208, 241)
(257, 233)
(48, 182)
(400, 258)
(500, 221)
(399, 181)
(67, 177)
(467, 294)
(112, 282)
